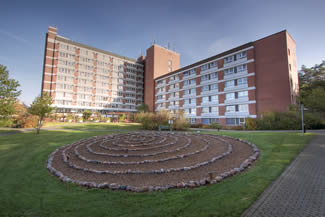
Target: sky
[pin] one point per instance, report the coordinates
(195, 29)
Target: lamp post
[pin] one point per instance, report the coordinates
(302, 119)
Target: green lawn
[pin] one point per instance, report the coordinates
(8, 131)
(27, 188)
(103, 126)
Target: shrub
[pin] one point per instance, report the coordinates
(86, 115)
(232, 127)
(199, 125)
(6, 123)
(180, 122)
(25, 120)
(122, 117)
(151, 121)
(251, 123)
(312, 121)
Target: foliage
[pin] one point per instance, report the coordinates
(86, 115)
(98, 116)
(180, 122)
(197, 125)
(233, 127)
(284, 121)
(143, 108)
(122, 117)
(312, 87)
(8, 93)
(151, 120)
(6, 122)
(22, 119)
(25, 181)
(215, 126)
(251, 123)
(42, 108)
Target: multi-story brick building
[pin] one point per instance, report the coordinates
(242, 82)
(81, 77)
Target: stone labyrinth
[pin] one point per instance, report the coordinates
(147, 161)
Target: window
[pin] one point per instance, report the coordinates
(188, 73)
(193, 120)
(243, 108)
(241, 55)
(231, 121)
(230, 108)
(228, 59)
(206, 110)
(205, 77)
(187, 101)
(289, 51)
(186, 92)
(205, 99)
(241, 81)
(230, 83)
(241, 68)
(229, 71)
(204, 67)
(214, 98)
(209, 120)
(230, 96)
(213, 75)
(214, 109)
(213, 64)
(169, 69)
(242, 94)
(205, 88)
(214, 86)
(187, 82)
(169, 63)
(193, 111)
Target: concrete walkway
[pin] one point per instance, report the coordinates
(300, 190)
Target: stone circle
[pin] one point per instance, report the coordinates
(149, 161)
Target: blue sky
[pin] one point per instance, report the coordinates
(195, 29)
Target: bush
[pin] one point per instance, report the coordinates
(25, 120)
(180, 122)
(312, 121)
(284, 121)
(279, 121)
(251, 123)
(6, 123)
(151, 121)
(122, 117)
(199, 125)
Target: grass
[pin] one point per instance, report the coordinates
(27, 188)
(9, 130)
(104, 126)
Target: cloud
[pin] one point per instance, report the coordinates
(14, 37)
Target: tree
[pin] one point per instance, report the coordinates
(42, 108)
(312, 87)
(143, 108)
(8, 93)
(86, 114)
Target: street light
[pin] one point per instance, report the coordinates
(302, 118)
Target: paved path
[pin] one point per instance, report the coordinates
(300, 190)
